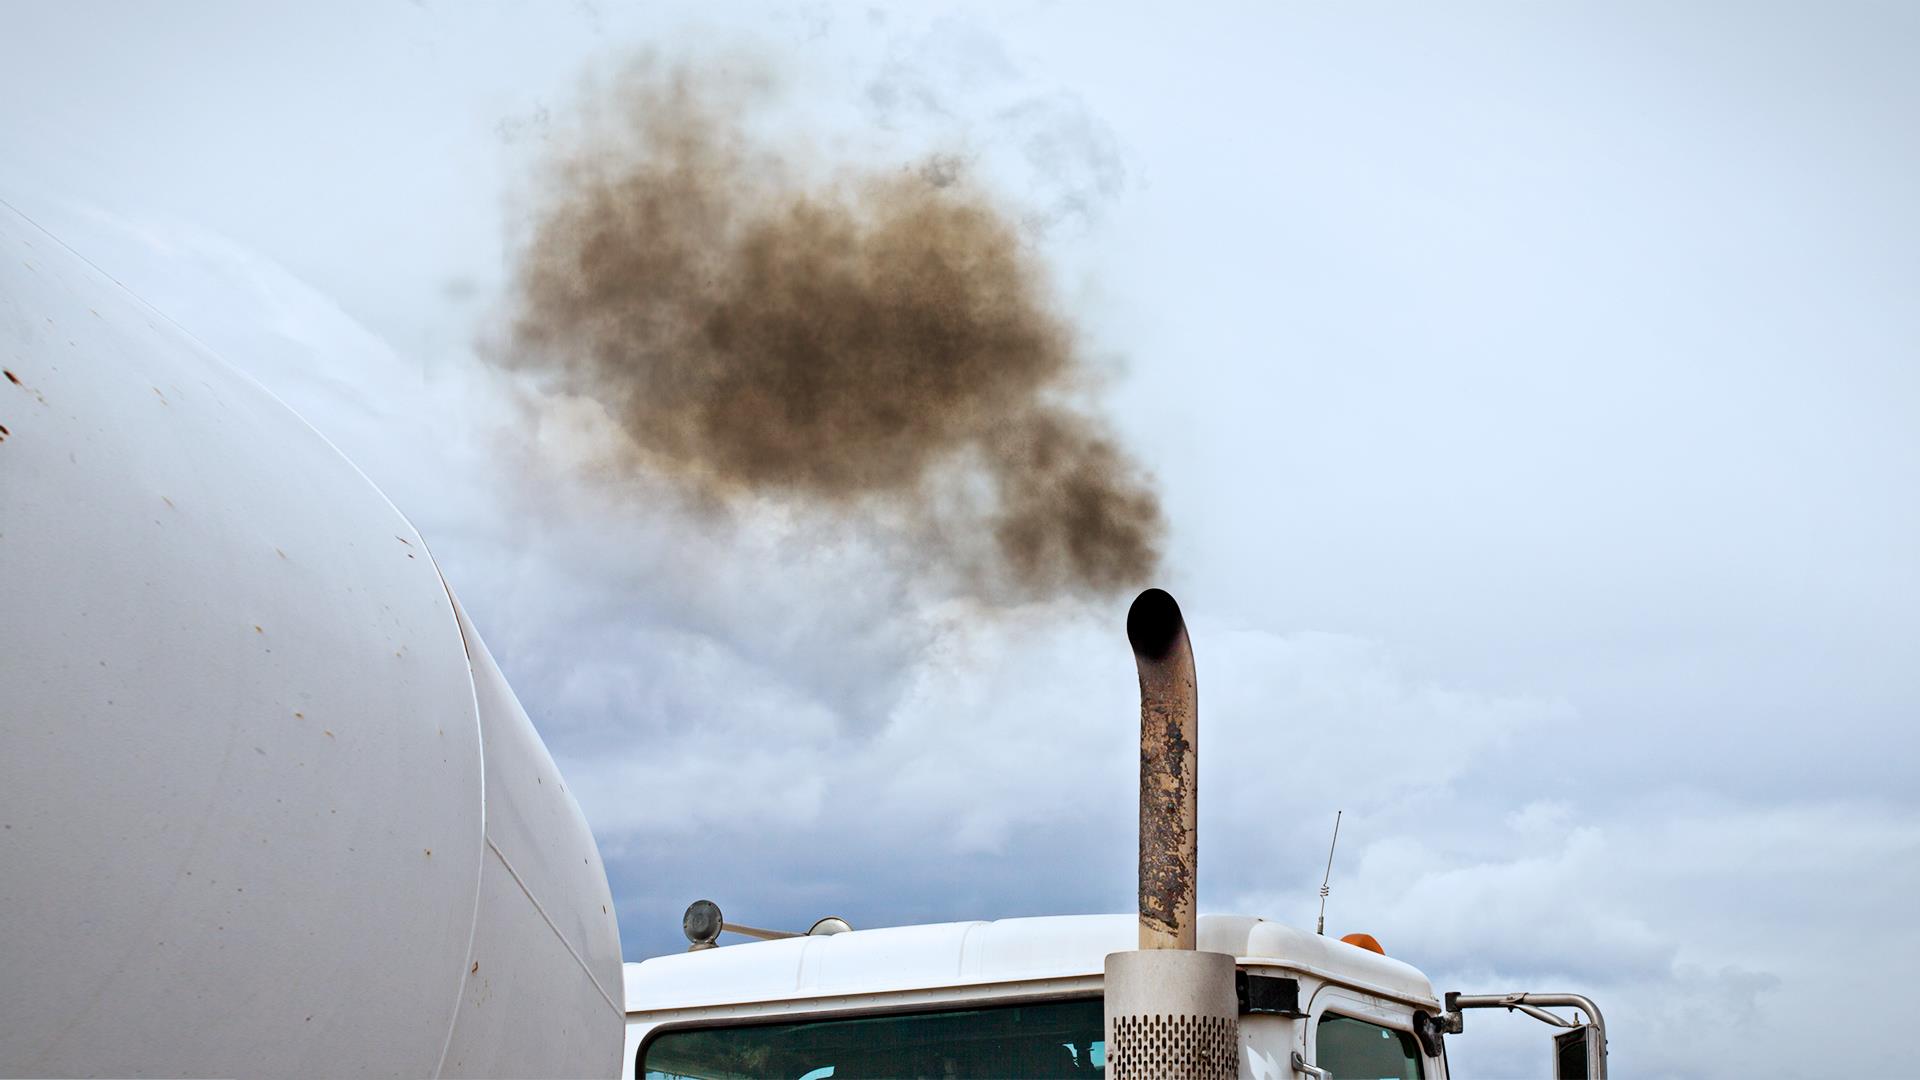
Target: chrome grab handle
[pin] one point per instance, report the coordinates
(1300, 1066)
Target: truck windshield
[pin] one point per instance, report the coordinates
(1045, 1039)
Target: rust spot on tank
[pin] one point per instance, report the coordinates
(328, 734)
(299, 716)
(429, 852)
(403, 540)
(257, 630)
(475, 969)
(12, 378)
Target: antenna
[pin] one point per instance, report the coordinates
(1324, 890)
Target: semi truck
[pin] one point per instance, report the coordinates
(270, 808)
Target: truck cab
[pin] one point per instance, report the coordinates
(1011, 998)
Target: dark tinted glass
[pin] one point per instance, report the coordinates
(1570, 1055)
(1051, 1039)
(1356, 1050)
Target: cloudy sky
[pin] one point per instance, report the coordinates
(1531, 390)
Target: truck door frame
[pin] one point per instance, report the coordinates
(1372, 1008)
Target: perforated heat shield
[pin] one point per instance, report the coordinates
(1171, 1013)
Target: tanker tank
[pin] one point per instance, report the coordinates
(269, 807)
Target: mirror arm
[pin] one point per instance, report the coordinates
(1541, 1014)
(1457, 1003)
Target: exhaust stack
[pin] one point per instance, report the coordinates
(1170, 1010)
(1169, 749)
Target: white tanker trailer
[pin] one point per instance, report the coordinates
(268, 808)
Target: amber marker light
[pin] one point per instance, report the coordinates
(1364, 941)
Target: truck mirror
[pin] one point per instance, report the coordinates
(1571, 1054)
(1431, 1031)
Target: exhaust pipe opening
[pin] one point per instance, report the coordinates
(1153, 622)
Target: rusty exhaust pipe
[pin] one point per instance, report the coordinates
(1169, 751)
(1170, 1009)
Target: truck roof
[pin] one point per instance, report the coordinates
(964, 954)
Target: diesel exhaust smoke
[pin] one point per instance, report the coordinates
(1170, 1009)
(877, 344)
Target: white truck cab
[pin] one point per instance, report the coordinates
(1010, 998)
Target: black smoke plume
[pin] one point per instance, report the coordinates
(870, 341)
